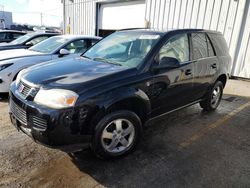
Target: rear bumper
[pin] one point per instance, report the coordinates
(59, 129)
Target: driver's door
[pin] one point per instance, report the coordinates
(172, 87)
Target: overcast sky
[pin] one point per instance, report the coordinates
(28, 11)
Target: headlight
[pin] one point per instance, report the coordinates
(56, 98)
(18, 78)
(2, 67)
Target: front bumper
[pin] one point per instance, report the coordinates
(62, 129)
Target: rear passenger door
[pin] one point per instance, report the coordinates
(205, 63)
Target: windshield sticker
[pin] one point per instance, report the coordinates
(149, 36)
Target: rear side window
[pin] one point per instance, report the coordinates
(202, 46)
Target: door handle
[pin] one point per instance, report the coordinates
(214, 66)
(188, 72)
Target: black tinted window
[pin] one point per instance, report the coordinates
(200, 49)
(177, 47)
(9, 36)
(219, 44)
(2, 35)
(16, 35)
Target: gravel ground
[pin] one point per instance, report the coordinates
(27, 164)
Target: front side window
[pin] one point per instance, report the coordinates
(49, 45)
(22, 39)
(37, 40)
(123, 48)
(177, 47)
(78, 46)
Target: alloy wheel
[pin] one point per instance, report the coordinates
(118, 136)
(216, 95)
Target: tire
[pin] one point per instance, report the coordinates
(212, 99)
(116, 134)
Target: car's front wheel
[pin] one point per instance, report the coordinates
(116, 134)
(213, 97)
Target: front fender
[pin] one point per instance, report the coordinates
(124, 94)
(102, 103)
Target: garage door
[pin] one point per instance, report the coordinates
(115, 16)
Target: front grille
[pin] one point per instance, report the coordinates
(25, 90)
(18, 112)
(38, 123)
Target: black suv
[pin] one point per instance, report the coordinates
(105, 96)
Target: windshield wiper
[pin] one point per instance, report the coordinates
(85, 57)
(105, 61)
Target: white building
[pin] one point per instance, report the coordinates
(5, 19)
(231, 17)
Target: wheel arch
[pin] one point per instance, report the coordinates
(137, 102)
(222, 78)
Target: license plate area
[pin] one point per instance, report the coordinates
(19, 126)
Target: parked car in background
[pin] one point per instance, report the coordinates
(106, 96)
(26, 41)
(13, 61)
(10, 35)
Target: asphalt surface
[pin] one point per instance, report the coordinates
(188, 148)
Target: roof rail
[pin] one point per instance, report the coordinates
(131, 28)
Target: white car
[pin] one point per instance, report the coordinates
(13, 61)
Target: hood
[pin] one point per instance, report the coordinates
(4, 44)
(10, 54)
(76, 73)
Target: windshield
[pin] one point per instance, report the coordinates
(123, 48)
(22, 39)
(49, 45)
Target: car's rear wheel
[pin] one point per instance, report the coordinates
(116, 134)
(213, 97)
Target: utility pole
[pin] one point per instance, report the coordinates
(41, 19)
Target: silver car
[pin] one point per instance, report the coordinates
(13, 61)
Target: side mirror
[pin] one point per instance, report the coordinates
(168, 62)
(63, 52)
(28, 44)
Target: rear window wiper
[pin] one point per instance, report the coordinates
(106, 61)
